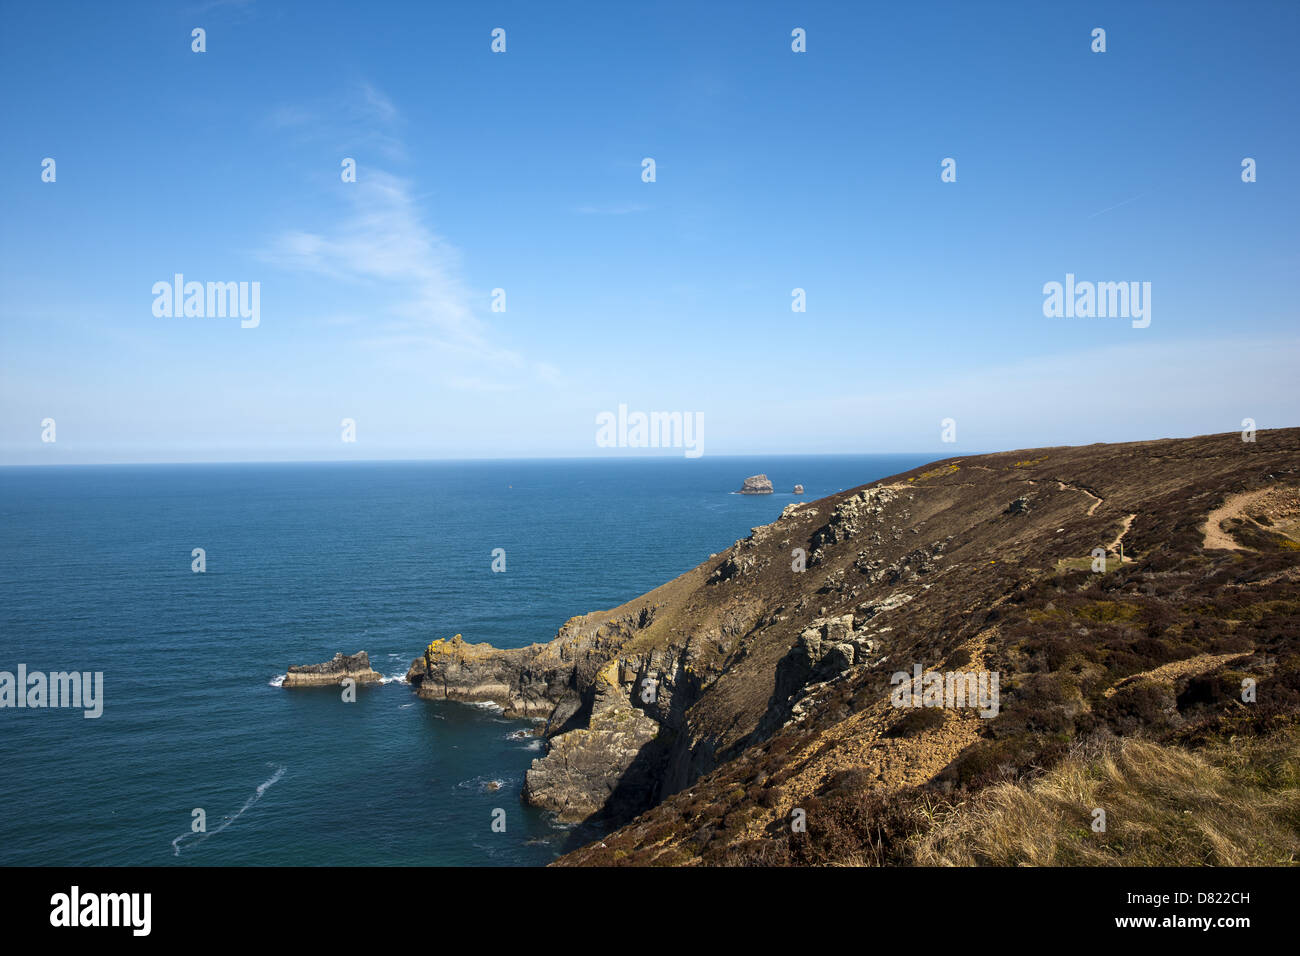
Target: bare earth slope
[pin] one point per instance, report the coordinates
(759, 683)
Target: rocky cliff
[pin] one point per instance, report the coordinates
(765, 679)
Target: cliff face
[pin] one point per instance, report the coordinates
(763, 679)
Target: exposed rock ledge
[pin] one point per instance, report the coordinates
(524, 682)
(333, 671)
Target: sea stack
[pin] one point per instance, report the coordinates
(756, 485)
(332, 672)
(798, 489)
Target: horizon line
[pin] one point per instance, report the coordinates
(416, 461)
(657, 457)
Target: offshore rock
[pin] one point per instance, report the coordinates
(756, 485)
(333, 672)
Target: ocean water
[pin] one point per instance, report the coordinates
(304, 560)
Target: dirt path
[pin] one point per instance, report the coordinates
(1234, 507)
(1169, 673)
(1114, 545)
(1095, 500)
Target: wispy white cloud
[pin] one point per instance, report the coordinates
(363, 117)
(382, 240)
(421, 302)
(379, 104)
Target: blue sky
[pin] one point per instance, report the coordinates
(522, 171)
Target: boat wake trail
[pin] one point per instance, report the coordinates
(184, 840)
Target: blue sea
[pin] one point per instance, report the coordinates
(303, 560)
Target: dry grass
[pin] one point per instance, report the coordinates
(1237, 804)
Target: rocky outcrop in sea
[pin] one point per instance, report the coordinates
(756, 485)
(334, 671)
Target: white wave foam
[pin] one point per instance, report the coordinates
(529, 739)
(483, 784)
(399, 678)
(278, 680)
(200, 837)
